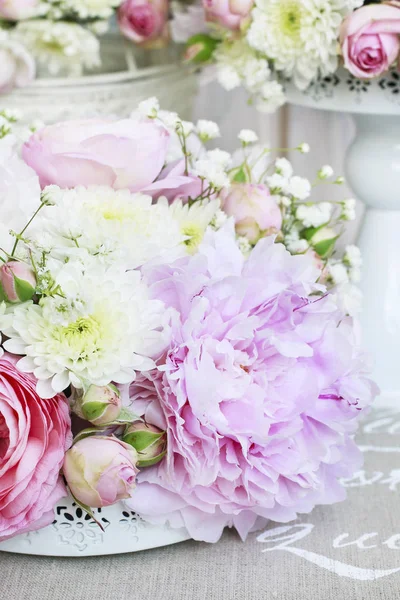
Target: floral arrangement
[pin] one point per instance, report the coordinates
(61, 37)
(261, 44)
(175, 327)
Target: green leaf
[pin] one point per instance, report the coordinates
(240, 176)
(200, 48)
(3, 297)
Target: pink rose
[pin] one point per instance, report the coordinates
(369, 39)
(118, 154)
(34, 435)
(17, 66)
(228, 13)
(144, 21)
(101, 470)
(16, 10)
(254, 210)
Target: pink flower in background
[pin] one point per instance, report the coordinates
(100, 471)
(228, 13)
(34, 435)
(144, 21)
(260, 394)
(17, 65)
(370, 39)
(17, 10)
(254, 210)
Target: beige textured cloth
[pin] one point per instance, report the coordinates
(350, 551)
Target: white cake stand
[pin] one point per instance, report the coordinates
(127, 76)
(373, 171)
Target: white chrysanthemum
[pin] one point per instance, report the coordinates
(85, 9)
(115, 226)
(299, 36)
(193, 220)
(19, 192)
(59, 47)
(103, 328)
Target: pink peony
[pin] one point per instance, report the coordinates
(144, 21)
(119, 154)
(34, 435)
(17, 66)
(100, 471)
(370, 40)
(228, 13)
(260, 394)
(255, 211)
(16, 10)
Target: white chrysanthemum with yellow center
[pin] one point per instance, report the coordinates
(193, 220)
(299, 36)
(100, 327)
(113, 226)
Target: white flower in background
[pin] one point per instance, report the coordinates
(325, 172)
(271, 97)
(59, 47)
(255, 74)
(193, 220)
(220, 157)
(337, 272)
(19, 192)
(212, 172)
(349, 298)
(84, 9)
(299, 36)
(314, 215)
(299, 187)
(304, 148)
(353, 256)
(349, 209)
(238, 64)
(248, 136)
(220, 218)
(294, 244)
(114, 226)
(207, 130)
(228, 77)
(284, 167)
(277, 182)
(104, 329)
(150, 107)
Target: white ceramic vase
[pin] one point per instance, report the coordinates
(373, 171)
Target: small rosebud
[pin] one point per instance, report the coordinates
(17, 282)
(323, 241)
(200, 48)
(149, 442)
(101, 405)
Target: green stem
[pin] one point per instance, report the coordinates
(26, 227)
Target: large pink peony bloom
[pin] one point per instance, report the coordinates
(34, 435)
(261, 391)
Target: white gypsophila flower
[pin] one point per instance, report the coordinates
(337, 272)
(349, 209)
(103, 329)
(84, 9)
(244, 245)
(314, 215)
(353, 256)
(207, 130)
(61, 47)
(349, 298)
(277, 182)
(294, 244)
(220, 218)
(299, 187)
(248, 136)
(257, 158)
(19, 192)
(228, 77)
(304, 148)
(284, 167)
(193, 220)
(238, 64)
(325, 172)
(212, 172)
(299, 36)
(271, 97)
(220, 157)
(187, 20)
(149, 107)
(255, 74)
(116, 226)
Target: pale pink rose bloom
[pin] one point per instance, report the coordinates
(121, 154)
(370, 40)
(17, 66)
(144, 21)
(34, 435)
(228, 13)
(255, 211)
(17, 10)
(101, 471)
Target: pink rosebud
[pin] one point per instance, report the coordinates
(101, 471)
(149, 441)
(101, 405)
(119, 154)
(369, 39)
(228, 13)
(17, 66)
(254, 210)
(17, 282)
(17, 10)
(144, 21)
